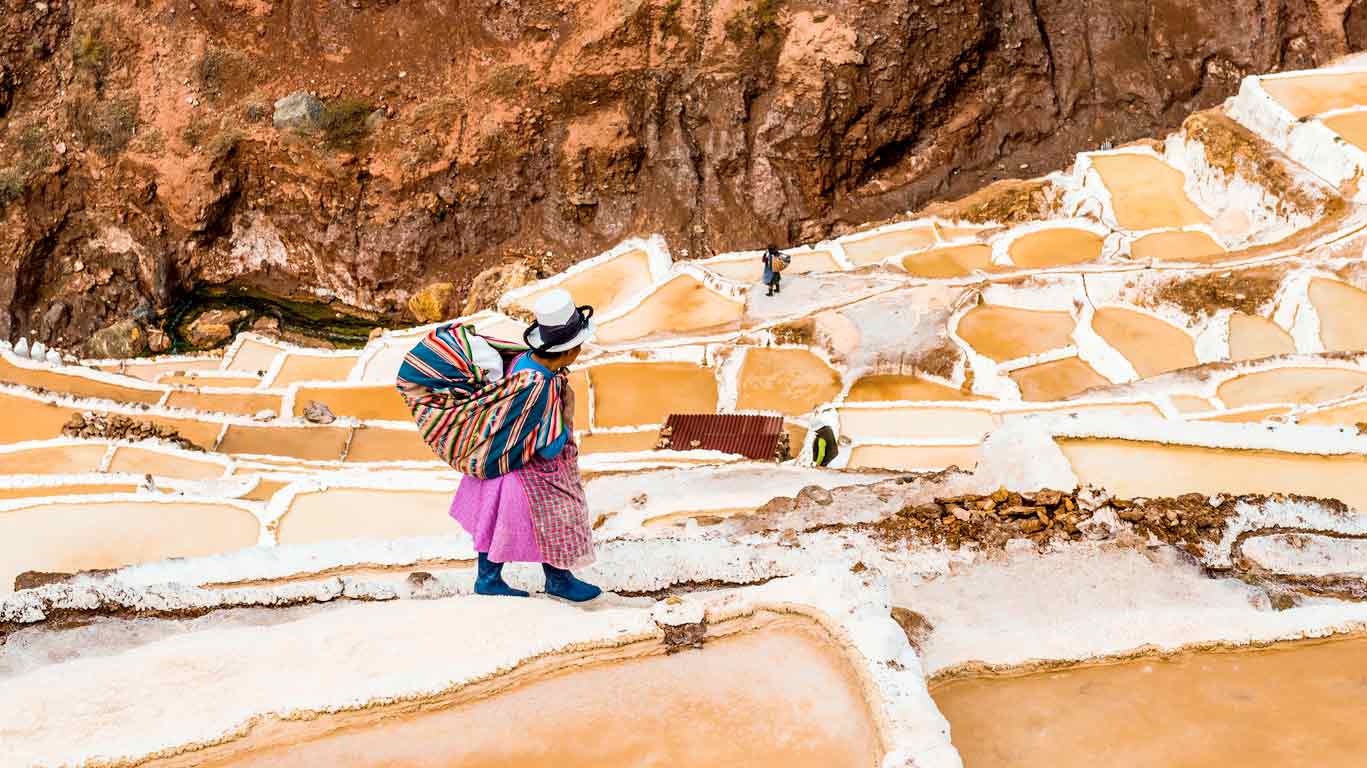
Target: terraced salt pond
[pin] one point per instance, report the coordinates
(1295, 704)
(724, 704)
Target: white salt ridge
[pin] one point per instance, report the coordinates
(1089, 601)
(1308, 554)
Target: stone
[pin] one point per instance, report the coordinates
(1048, 498)
(212, 328)
(54, 357)
(789, 539)
(299, 111)
(158, 341)
(318, 413)
(490, 285)
(816, 494)
(265, 415)
(54, 317)
(21, 348)
(433, 303)
(38, 351)
(1021, 510)
(267, 326)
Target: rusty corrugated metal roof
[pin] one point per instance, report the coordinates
(754, 437)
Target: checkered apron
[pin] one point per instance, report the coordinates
(560, 514)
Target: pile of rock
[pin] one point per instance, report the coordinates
(96, 426)
(993, 519)
(1189, 522)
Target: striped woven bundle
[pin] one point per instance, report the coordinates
(483, 429)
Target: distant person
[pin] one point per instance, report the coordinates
(775, 261)
(512, 435)
(825, 443)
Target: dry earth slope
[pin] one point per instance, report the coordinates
(139, 161)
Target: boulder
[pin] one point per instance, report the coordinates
(123, 339)
(266, 326)
(490, 285)
(299, 111)
(212, 328)
(433, 303)
(318, 413)
(158, 341)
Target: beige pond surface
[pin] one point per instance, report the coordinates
(150, 371)
(619, 442)
(1351, 126)
(1006, 333)
(252, 356)
(871, 250)
(940, 423)
(1291, 705)
(1055, 247)
(299, 367)
(682, 305)
(604, 286)
(380, 401)
(182, 380)
(1151, 345)
(1177, 246)
(1191, 404)
(141, 461)
(1132, 468)
(1056, 379)
(1245, 417)
(1146, 192)
(1346, 415)
(1307, 95)
(27, 419)
(1252, 337)
(78, 536)
(914, 457)
(242, 403)
(790, 381)
(53, 460)
(726, 704)
(377, 444)
(74, 489)
(1342, 311)
(949, 261)
(70, 384)
(371, 513)
(309, 443)
(628, 394)
(752, 270)
(885, 387)
(1291, 385)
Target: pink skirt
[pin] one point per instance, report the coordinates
(536, 514)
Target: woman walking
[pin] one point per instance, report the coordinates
(512, 434)
(774, 262)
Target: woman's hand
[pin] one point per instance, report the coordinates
(567, 405)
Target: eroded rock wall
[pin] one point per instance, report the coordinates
(138, 159)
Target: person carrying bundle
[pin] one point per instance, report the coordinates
(512, 436)
(775, 261)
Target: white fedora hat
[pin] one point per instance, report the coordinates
(560, 325)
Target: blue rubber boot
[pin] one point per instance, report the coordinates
(490, 579)
(561, 583)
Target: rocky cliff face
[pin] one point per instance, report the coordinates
(139, 160)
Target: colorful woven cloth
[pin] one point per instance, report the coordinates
(481, 428)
